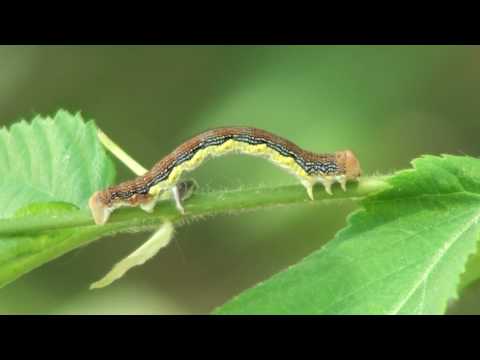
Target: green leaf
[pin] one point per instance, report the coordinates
(403, 253)
(58, 160)
(24, 252)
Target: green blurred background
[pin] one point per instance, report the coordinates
(389, 104)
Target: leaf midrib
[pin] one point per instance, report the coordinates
(423, 196)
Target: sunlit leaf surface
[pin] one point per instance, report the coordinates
(51, 159)
(57, 160)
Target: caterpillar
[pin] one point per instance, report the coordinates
(144, 191)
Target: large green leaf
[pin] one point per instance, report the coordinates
(403, 253)
(55, 160)
(51, 159)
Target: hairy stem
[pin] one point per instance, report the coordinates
(200, 204)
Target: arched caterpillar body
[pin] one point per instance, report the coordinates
(145, 190)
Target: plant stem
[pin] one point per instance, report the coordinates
(200, 204)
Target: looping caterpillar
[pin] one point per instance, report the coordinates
(145, 190)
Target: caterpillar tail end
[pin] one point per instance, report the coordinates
(100, 212)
